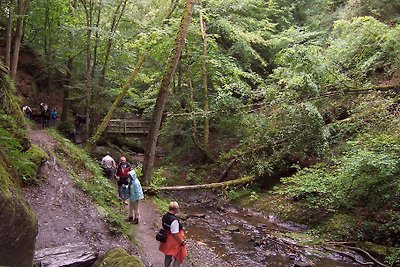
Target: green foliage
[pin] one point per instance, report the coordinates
(287, 134)
(65, 127)
(394, 258)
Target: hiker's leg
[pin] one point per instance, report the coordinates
(135, 208)
(130, 208)
(168, 259)
(120, 192)
(176, 263)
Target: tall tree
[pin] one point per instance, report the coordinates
(205, 79)
(113, 107)
(163, 91)
(9, 29)
(22, 8)
(118, 13)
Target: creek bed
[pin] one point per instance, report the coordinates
(242, 237)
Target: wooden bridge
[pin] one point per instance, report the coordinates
(128, 126)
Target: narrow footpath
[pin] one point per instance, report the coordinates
(67, 218)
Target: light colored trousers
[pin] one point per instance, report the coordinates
(133, 209)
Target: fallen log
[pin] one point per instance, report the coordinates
(242, 180)
(366, 253)
(348, 255)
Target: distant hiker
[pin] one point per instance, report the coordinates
(123, 170)
(174, 248)
(53, 116)
(27, 111)
(136, 194)
(109, 165)
(44, 115)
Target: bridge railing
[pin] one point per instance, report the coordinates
(128, 126)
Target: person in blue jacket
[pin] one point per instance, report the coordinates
(136, 194)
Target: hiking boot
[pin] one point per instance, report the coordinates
(129, 219)
(136, 221)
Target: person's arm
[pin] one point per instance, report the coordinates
(175, 231)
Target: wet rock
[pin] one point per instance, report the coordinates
(198, 215)
(232, 228)
(75, 255)
(303, 264)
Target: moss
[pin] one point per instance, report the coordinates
(342, 226)
(36, 155)
(9, 101)
(120, 258)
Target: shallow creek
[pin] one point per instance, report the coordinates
(243, 237)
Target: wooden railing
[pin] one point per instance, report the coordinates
(128, 126)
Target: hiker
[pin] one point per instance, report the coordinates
(123, 170)
(109, 165)
(174, 248)
(53, 116)
(44, 115)
(27, 111)
(136, 194)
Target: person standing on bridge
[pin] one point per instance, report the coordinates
(175, 246)
(123, 170)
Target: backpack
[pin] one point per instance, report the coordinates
(162, 234)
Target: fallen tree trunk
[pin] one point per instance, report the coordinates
(242, 180)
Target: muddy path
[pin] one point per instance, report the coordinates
(65, 214)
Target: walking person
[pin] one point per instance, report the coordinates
(135, 195)
(27, 111)
(43, 114)
(53, 115)
(109, 165)
(175, 246)
(123, 170)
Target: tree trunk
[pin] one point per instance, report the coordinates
(66, 105)
(89, 22)
(163, 92)
(119, 11)
(194, 124)
(67, 84)
(9, 30)
(239, 181)
(205, 77)
(22, 6)
(110, 112)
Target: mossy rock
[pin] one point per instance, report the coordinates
(120, 258)
(36, 155)
(18, 225)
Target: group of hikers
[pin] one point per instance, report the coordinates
(47, 116)
(130, 192)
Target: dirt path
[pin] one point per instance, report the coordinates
(65, 214)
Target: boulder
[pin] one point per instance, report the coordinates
(69, 255)
(18, 225)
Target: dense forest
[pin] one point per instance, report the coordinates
(301, 96)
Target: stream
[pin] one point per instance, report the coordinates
(243, 237)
